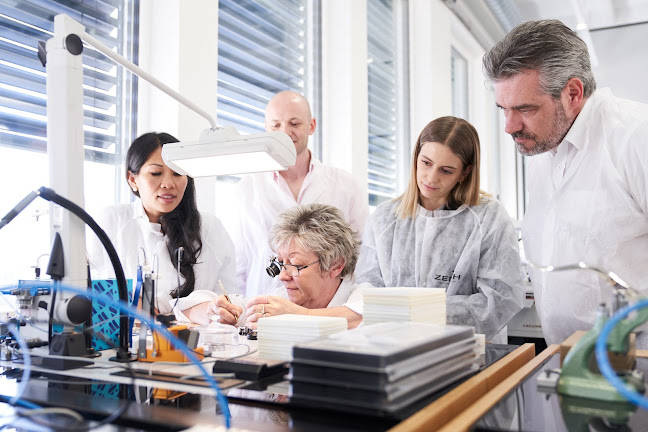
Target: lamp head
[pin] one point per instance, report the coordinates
(224, 151)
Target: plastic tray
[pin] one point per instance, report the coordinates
(380, 345)
(391, 373)
(381, 383)
(337, 398)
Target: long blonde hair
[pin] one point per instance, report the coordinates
(460, 137)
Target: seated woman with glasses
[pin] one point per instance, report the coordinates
(443, 232)
(317, 251)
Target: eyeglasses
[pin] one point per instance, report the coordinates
(291, 270)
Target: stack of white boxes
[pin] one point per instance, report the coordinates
(426, 305)
(278, 334)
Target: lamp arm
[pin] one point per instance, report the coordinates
(146, 76)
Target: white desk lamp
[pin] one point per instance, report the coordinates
(219, 151)
(224, 151)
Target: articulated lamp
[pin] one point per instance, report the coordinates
(219, 151)
(224, 151)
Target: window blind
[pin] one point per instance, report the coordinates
(387, 94)
(262, 49)
(107, 88)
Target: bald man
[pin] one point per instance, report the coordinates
(265, 195)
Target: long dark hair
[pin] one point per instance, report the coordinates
(182, 225)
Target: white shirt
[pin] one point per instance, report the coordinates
(264, 196)
(347, 295)
(129, 230)
(588, 202)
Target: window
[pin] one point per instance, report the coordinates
(459, 75)
(264, 47)
(108, 120)
(388, 89)
(22, 77)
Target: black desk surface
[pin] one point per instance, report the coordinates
(256, 406)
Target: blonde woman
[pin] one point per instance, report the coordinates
(316, 254)
(443, 232)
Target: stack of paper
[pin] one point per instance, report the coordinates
(404, 304)
(382, 368)
(278, 334)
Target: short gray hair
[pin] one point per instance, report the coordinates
(548, 46)
(320, 229)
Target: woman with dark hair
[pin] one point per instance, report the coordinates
(189, 252)
(443, 232)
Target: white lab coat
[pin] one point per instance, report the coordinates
(472, 252)
(594, 210)
(347, 295)
(264, 196)
(129, 229)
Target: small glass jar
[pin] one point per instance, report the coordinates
(220, 340)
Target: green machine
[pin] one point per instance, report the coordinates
(587, 398)
(585, 415)
(580, 376)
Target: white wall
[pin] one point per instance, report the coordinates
(481, 102)
(344, 120)
(430, 42)
(179, 46)
(622, 60)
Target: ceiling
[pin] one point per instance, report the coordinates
(596, 14)
(490, 20)
(615, 31)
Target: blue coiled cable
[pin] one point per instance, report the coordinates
(604, 363)
(125, 307)
(26, 370)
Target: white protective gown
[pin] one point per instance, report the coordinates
(589, 202)
(472, 252)
(263, 196)
(129, 229)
